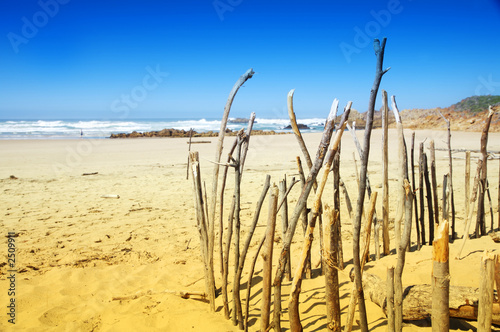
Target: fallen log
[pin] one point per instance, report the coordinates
(417, 300)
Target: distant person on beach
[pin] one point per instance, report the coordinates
(81, 133)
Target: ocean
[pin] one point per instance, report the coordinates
(71, 129)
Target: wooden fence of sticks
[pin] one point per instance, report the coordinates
(438, 301)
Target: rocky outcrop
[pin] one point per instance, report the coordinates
(300, 125)
(185, 133)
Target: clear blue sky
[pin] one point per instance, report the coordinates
(81, 59)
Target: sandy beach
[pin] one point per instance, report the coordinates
(76, 251)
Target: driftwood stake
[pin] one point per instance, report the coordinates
(238, 311)
(485, 310)
(330, 255)
(305, 220)
(354, 295)
(306, 190)
(429, 200)
(189, 150)
(421, 193)
(202, 228)
(267, 256)
(213, 202)
(467, 182)
(385, 174)
(441, 280)
(293, 305)
(434, 181)
(249, 283)
(379, 48)
(390, 299)
(401, 175)
(471, 208)
(450, 165)
(480, 220)
(405, 241)
(414, 184)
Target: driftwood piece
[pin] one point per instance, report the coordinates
(224, 269)
(267, 256)
(238, 311)
(215, 179)
(306, 190)
(189, 150)
(414, 184)
(480, 220)
(304, 215)
(336, 233)
(450, 166)
(434, 181)
(368, 189)
(201, 224)
(421, 193)
(385, 175)
(332, 297)
(490, 204)
(249, 283)
(354, 294)
(95, 173)
(417, 302)
(401, 176)
(183, 294)
(429, 200)
(390, 299)
(467, 182)
(485, 310)
(498, 204)
(398, 273)
(471, 209)
(293, 305)
(379, 48)
(441, 279)
(237, 226)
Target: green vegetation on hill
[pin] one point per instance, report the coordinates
(475, 103)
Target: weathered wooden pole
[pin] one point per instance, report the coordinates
(434, 181)
(306, 190)
(354, 295)
(429, 200)
(237, 226)
(202, 228)
(421, 193)
(467, 182)
(293, 304)
(189, 151)
(414, 184)
(498, 204)
(284, 222)
(249, 283)
(401, 175)
(215, 179)
(332, 297)
(390, 299)
(480, 220)
(267, 256)
(237, 279)
(385, 175)
(304, 216)
(441, 279)
(405, 242)
(471, 208)
(336, 233)
(379, 48)
(485, 307)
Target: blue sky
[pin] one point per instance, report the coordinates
(62, 59)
